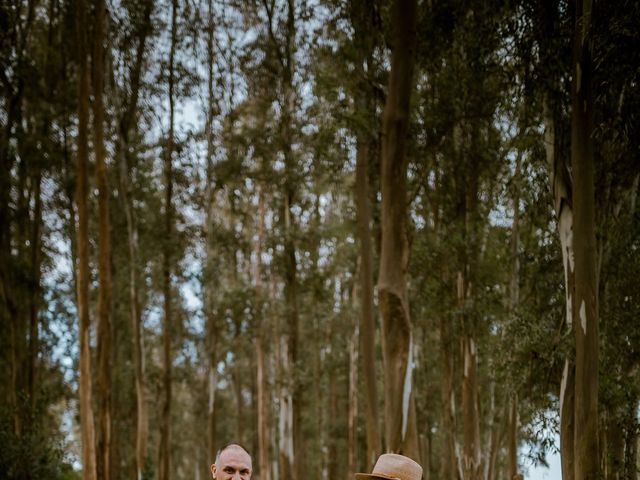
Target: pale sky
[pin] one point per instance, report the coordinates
(542, 473)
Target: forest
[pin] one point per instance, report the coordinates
(321, 229)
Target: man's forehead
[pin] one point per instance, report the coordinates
(235, 454)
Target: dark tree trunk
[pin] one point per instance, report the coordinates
(104, 252)
(585, 304)
(164, 453)
(400, 428)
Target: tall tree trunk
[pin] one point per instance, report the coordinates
(450, 470)
(290, 439)
(82, 234)
(104, 254)
(207, 287)
(263, 420)
(561, 188)
(514, 300)
(32, 361)
(512, 440)
(497, 434)
(285, 413)
(142, 423)
(631, 439)
(212, 381)
(332, 450)
(288, 404)
(237, 376)
(585, 305)
(362, 14)
(367, 324)
(472, 467)
(400, 428)
(352, 416)
(164, 461)
(468, 252)
(126, 120)
(263, 445)
(450, 464)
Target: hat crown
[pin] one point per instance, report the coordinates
(392, 465)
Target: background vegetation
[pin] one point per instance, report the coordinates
(192, 224)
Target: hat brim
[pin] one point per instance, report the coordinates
(382, 476)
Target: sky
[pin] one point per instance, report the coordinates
(542, 473)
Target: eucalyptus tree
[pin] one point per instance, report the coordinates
(126, 97)
(585, 307)
(400, 416)
(82, 234)
(103, 444)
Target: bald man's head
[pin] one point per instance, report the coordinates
(232, 463)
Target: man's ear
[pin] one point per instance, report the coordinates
(213, 470)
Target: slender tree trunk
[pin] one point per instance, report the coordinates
(512, 440)
(142, 424)
(362, 19)
(82, 234)
(352, 416)
(567, 420)
(514, 300)
(263, 445)
(450, 464)
(585, 305)
(332, 457)
(126, 120)
(468, 252)
(471, 451)
(367, 324)
(450, 470)
(631, 466)
(211, 406)
(207, 287)
(285, 414)
(237, 384)
(35, 295)
(164, 463)
(104, 253)
(497, 434)
(321, 411)
(212, 334)
(263, 421)
(290, 437)
(400, 428)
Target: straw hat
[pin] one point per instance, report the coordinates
(391, 466)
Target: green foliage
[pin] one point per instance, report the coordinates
(37, 453)
(484, 73)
